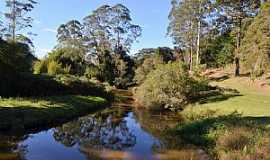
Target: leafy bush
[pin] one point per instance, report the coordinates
(91, 72)
(54, 68)
(50, 67)
(218, 51)
(168, 87)
(40, 67)
(67, 69)
(142, 71)
(17, 56)
(148, 62)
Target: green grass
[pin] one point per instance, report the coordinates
(29, 113)
(251, 101)
(222, 123)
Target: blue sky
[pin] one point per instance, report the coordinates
(152, 15)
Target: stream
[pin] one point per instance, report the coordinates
(119, 132)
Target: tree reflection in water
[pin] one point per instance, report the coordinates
(158, 124)
(11, 149)
(104, 130)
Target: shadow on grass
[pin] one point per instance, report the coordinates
(29, 119)
(220, 78)
(29, 85)
(215, 94)
(203, 132)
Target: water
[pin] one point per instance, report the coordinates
(114, 133)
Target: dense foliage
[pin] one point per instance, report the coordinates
(218, 51)
(148, 59)
(193, 23)
(255, 50)
(169, 87)
(15, 56)
(21, 85)
(97, 47)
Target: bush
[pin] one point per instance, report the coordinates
(149, 62)
(168, 87)
(17, 56)
(236, 140)
(67, 69)
(218, 51)
(40, 67)
(54, 68)
(50, 67)
(91, 72)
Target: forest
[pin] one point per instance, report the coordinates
(207, 96)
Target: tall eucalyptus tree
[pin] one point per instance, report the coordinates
(232, 13)
(70, 34)
(17, 18)
(111, 27)
(187, 21)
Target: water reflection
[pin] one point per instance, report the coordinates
(114, 133)
(10, 149)
(106, 130)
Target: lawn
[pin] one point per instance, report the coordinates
(34, 113)
(251, 100)
(225, 134)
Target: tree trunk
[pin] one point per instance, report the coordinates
(198, 45)
(13, 16)
(191, 59)
(237, 66)
(237, 59)
(198, 37)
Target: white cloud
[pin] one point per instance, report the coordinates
(49, 30)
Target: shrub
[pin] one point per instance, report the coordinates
(18, 56)
(54, 68)
(91, 72)
(236, 140)
(67, 69)
(40, 67)
(168, 87)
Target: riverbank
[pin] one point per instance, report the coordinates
(251, 99)
(32, 113)
(230, 126)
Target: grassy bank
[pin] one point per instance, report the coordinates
(31, 113)
(230, 126)
(250, 100)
